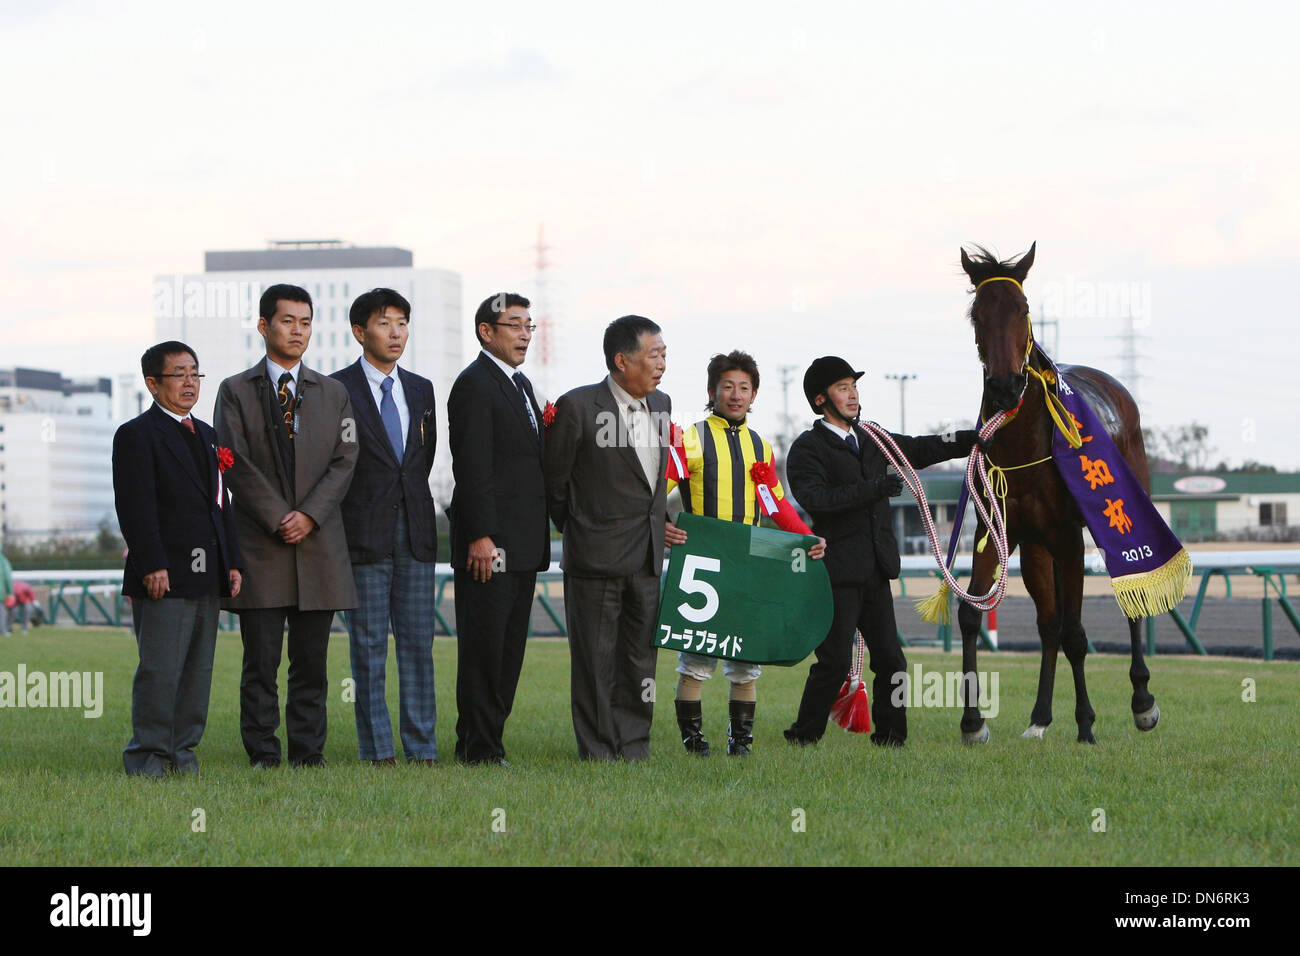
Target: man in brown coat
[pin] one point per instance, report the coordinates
(293, 437)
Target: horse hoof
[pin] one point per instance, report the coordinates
(980, 736)
(1086, 737)
(1148, 720)
(1035, 731)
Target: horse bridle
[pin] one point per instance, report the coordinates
(1029, 343)
(1065, 424)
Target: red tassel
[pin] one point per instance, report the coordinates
(860, 712)
(851, 709)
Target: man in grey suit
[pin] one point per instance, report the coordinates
(294, 439)
(606, 488)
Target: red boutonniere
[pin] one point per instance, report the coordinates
(225, 458)
(548, 415)
(763, 473)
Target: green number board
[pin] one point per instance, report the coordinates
(744, 593)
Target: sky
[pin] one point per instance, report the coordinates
(791, 181)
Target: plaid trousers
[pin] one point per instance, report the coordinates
(399, 589)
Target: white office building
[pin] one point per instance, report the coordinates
(215, 313)
(56, 442)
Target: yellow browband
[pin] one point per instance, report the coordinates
(1001, 279)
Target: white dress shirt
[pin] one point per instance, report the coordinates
(636, 418)
(168, 412)
(275, 370)
(842, 432)
(510, 374)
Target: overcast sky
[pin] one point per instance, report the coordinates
(796, 183)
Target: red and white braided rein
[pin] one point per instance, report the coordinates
(996, 522)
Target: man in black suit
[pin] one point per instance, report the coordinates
(840, 477)
(500, 535)
(182, 557)
(392, 539)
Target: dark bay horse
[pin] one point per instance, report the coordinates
(1041, 515)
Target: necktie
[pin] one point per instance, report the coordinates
(853, 442)
(286, 402)
(189, 425)
(388, 412)
(528, 406)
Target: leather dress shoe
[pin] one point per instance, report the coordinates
(316, 760)
(385, 762)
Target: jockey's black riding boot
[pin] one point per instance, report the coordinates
(740, 732)
(690, 719)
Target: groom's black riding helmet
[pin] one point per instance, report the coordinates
(822, 374)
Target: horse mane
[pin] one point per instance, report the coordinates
(983, 257)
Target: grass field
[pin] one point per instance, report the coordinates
(1216, 783)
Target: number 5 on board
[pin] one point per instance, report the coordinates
(690, 565)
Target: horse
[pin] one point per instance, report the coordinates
(1042, 518)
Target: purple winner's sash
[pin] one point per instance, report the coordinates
(1148, 565)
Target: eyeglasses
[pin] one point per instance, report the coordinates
(516, 326)
(187, 376)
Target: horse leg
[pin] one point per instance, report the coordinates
(974, 728)
(1146, 713)
(1039, 574)
(1069, 565)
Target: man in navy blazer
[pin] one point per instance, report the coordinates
(392, 537)
(500, 533)
(182, 558)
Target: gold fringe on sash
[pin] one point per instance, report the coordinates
(937, 608)
(1152, 593)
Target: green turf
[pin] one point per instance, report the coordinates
(1215, 783)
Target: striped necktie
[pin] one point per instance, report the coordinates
(286, 401)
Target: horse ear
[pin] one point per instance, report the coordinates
(1026, 263)
(966, 264)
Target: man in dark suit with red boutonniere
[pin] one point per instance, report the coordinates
(182, 558)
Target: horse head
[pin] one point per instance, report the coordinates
(1000, 315)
